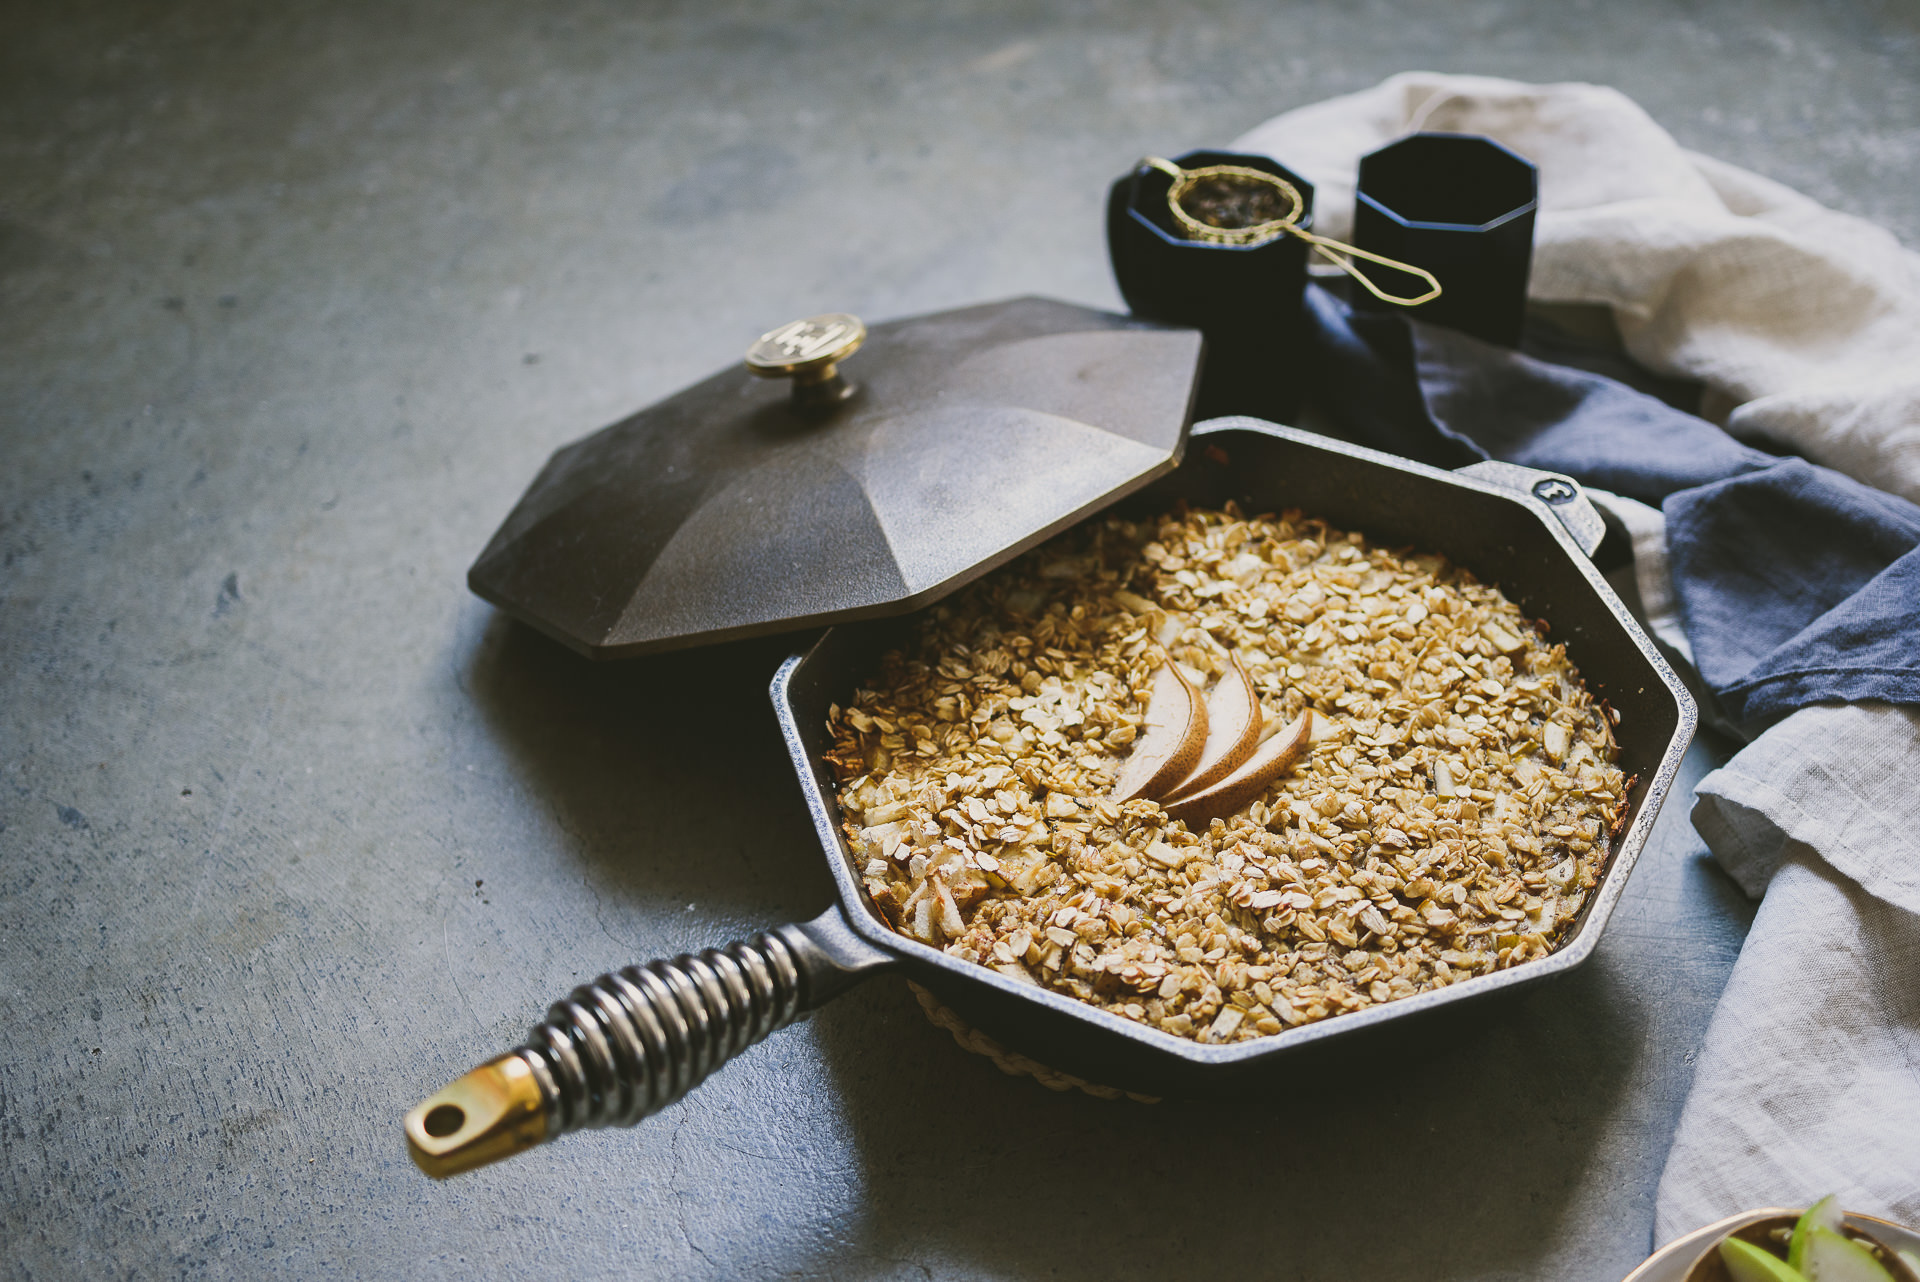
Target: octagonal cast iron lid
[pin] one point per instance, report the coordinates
(734, 509)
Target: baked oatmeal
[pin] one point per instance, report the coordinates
(1401, 784)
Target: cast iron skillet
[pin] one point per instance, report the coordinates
(630, 1043)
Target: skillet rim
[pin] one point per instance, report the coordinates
(866, 924)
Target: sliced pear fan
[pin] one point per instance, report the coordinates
(1175, 735)
(1233, 731)
(1269, 761)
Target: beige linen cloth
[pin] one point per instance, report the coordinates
(1804, 324)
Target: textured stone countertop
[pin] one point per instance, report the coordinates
(294, 300)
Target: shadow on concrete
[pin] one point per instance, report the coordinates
(645, 760)
(1469, 1143)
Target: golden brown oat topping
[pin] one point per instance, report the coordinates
(1449, 818)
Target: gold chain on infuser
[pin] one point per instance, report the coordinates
(1338, 253)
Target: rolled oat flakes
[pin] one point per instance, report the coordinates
(1448, 818)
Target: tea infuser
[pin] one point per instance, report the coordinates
(1186, 181)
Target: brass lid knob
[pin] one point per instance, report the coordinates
(809, 352)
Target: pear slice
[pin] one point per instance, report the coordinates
(1749, 1263)
(1233, 731)
(1269, 761)
(1175, 735)
(1824, 1214)
(1832, 1258)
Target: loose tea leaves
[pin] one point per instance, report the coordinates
(1233, 203)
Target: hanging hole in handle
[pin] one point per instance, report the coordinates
(490, 1112)
(444, 1120)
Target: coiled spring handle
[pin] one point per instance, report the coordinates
(632, 1042)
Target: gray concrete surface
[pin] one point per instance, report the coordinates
(294, 298)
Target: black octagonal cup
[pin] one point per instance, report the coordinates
(1246, 299)
(1461, 206)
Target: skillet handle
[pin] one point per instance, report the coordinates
(627, 1045)
(1561, 494)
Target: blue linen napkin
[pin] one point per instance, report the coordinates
(1797, 585)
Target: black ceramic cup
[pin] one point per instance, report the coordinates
(1461, 206)
(1246, 299)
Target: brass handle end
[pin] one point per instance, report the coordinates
(490, 1113)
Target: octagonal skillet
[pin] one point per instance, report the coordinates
(630, 1043)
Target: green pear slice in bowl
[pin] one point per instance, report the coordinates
(1853, 1248)
(1832, 1258)
(1269, 761)
(1234, 722)
(1746, 1262)
(1176, 734)
(1824, 1214)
